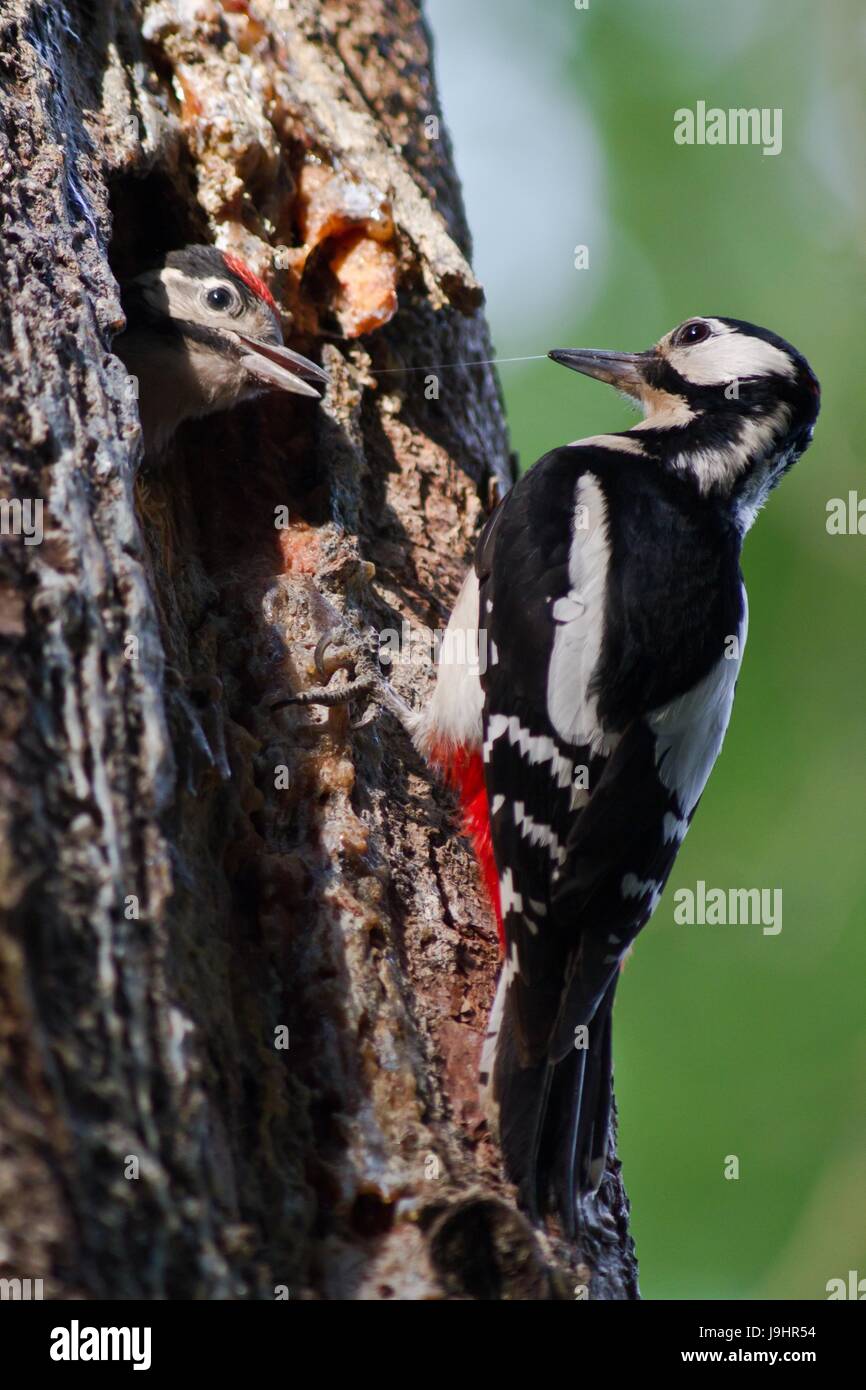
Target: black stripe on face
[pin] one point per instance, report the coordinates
(758, 394)
(720, 424)
(211, 338)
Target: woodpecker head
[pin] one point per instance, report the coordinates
(728, 406)
(202, 334)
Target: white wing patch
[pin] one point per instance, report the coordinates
(690, 729)
(579, 620)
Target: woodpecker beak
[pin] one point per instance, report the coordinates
(624, 370)
(279, 366)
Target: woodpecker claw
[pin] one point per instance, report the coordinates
(368, 717)
(331, 638)
(327, 695)
(366, 680)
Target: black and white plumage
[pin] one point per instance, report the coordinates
(608, 595)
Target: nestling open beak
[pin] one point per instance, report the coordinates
(279, 366)
(624, 370)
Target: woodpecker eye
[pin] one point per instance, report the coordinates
(690, 333)
(220, 297)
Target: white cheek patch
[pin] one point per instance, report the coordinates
(181, 295)
(185, 298)
(728, 356)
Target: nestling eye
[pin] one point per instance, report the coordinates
(695, 332)
(220, 298)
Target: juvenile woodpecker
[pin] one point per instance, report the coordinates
(607, 608)
(203, 334)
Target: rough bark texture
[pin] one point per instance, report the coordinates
(184, 871)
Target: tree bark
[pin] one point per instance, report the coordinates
(244, 959)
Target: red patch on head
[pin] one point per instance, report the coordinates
(252, 282)
(463, 769)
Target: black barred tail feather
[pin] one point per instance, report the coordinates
(553, 1116)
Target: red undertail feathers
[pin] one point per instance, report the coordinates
(463, 769)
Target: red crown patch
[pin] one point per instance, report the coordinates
(243, 272)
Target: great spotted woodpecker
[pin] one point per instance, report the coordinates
(608, 610)
(202, 334)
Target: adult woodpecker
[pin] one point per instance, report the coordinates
(203, 334)
(608, 609)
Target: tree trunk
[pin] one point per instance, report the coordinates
(244, 959)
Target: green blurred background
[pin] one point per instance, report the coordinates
(727, 1041)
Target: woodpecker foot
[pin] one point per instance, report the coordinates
(329, 696)
(360, 660)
